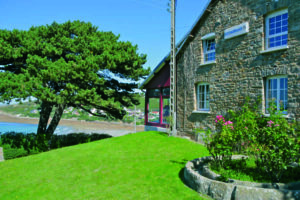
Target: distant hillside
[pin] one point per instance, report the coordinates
(30, 109)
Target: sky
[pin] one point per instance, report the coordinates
(145, 23)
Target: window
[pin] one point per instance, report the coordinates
(209, 48)
(203, 97)
(276, 92)
(153, 112)
(277, 29)
(158, 106)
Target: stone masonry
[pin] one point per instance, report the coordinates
(241, 68)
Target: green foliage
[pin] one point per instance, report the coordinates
(272, 141)
(19, 144)
(221, 144)
(11, 153)
(72, 64)
(58, 141)
(246, 170)
(28, 142)
(276, 146)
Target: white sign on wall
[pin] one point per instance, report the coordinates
(236, 30)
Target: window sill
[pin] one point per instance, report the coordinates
(283, 115)
(208, 63)
(201, 112)
(274, 49)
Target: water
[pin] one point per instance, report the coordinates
(30, 128)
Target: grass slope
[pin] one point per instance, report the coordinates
(145, 165)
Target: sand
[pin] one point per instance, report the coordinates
(111, 128)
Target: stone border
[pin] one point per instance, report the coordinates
(1, 154)
(198, 176)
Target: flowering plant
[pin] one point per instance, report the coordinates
(272, 141)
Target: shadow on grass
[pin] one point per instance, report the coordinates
(162, 133)
(181, 172)
(183, 162)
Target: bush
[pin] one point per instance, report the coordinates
(11, 153)
(19, 144)
(58, 141)
(272, 141)
(275, 146)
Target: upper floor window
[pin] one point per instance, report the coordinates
(277, 93)
(209, 48)
(202, 97)
(277, 29)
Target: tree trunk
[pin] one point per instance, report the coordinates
(46, 109)
(55, 120)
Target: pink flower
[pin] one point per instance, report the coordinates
(246, 127)
(219, 117)
(270, 123)
(276, 124)
(228, 122)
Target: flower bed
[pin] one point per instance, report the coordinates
(199, 177)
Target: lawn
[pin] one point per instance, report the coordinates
(145, 165)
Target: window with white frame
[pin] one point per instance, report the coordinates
(277, 93)
(277, 29)
(202, 97)
(209, 48)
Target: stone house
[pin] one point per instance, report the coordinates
(238, 49)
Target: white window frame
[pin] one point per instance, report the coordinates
(267, 36)
(205, 39)
(277, 91)
(206, 97)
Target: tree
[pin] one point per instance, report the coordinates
(69, 65)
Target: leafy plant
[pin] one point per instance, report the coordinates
(272, 141)
(221, 143)
(276, 146)
(19, 144)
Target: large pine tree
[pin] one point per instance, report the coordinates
(69, 64)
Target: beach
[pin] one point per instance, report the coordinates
(111, 128)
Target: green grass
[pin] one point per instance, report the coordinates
(145, 165)
(247, 171)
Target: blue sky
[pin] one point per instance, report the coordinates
(142, 22)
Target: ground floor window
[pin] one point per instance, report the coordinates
(277, 93)
(153, 112)
(157, 107)
(202, 97)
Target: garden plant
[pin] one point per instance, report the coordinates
(271, 141)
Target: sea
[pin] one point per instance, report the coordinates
(30, 128)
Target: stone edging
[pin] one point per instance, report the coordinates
(200, 178)
(1, 154)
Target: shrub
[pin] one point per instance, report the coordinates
(272, 141)
(276, 146)
(19, 144)
(221, 144)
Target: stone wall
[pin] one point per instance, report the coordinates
(240, 69)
